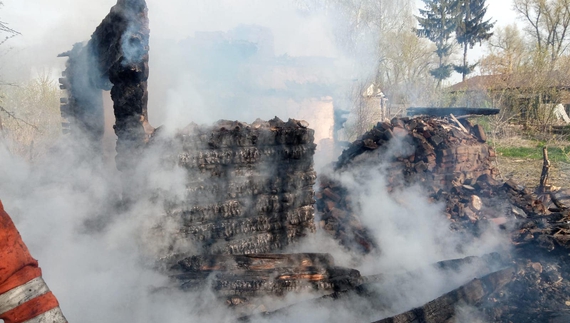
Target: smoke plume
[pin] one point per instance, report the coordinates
(101, 259)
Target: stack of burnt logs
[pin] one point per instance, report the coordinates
(249, 193)
(249, 187)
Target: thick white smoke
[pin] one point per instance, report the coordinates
(173, 95)
(99, 260)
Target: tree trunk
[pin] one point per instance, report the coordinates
(464, 72)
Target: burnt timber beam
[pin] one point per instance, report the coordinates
(115, 59)
(486, 263)
(442, 309)
(121, 43)
(442, 112)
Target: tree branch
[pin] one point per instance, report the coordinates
(13, 116)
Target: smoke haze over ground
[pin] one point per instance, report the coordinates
(99, 259)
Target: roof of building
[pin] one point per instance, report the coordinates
(554, 79)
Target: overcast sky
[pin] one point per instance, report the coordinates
(502, 11)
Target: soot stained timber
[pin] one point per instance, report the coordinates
(249, 187)
(443, 309)
(442, 112)
(115, 59)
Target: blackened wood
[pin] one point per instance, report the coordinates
(542, 188)
(443, 308)
(442, 112)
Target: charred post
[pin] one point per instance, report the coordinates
(115, 59)
(544, 187)
(122, 43)
(247, 279)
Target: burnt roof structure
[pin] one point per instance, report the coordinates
(522, 81)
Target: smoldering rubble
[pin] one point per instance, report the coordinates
(224, 209)
(454, 166)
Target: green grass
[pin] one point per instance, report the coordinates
(554, 153)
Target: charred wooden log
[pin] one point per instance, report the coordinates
(443, 308)
(242, 280)
(339, 217)
(367, 292)
(116, 59)
(543, 187)
(442, 112)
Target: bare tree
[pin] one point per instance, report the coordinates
(374, 35)
(548, 22)
(508, 51)
(361, 25)
(34, 120)
(404, 71)
(4, 29)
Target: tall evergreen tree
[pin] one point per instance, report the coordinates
(438, 21)
(471, 29)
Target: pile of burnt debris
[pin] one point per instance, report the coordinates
(249, 193)
(447, 159)
(454, 166)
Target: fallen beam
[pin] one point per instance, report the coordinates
(442, 112)
(484, 264)
(245, 279)
(443, 308)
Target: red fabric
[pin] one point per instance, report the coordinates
(17, 267)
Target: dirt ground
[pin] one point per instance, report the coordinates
(527, 171)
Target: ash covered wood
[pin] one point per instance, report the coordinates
(249, 187)
(433, 151)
